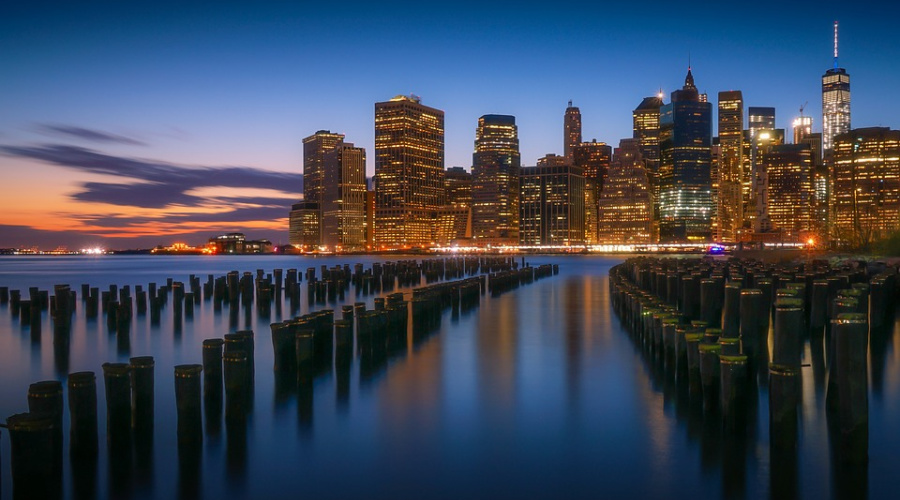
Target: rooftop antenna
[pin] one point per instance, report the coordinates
(570, 103)
(835, 45)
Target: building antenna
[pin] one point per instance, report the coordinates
(835, 45)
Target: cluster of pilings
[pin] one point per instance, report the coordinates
(504, 281)
(223, 385)
(707, 324)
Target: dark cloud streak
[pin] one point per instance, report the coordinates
(88, 134)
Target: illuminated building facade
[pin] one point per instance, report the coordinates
(458, 184)
(495, 181)
(760, 118)
(571, 130)
(315, 147)
(626, 205)
(730, 206)
(237, 243)
(594, 159)
(866, 197)
(645, 119)
(789, 173)
(344, 198)
(409, 171)
(835, 99)
(685, 136)
(552, 203)
(763, 141)
(451, 224)
(303, 226)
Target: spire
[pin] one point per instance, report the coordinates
(689, 80)
(835, 45)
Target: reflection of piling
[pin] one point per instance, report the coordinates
(187, 402)
(82, 388)
(784, 398)
(734, 391)
(851, 373)
(33, 445)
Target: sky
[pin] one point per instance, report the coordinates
(132, 124)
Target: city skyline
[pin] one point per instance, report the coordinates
(112, 142)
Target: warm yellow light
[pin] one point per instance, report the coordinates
(811, 242)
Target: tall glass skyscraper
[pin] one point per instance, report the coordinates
(685, 137)
(835, 100)
(495, 181)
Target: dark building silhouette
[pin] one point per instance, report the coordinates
(685, 137)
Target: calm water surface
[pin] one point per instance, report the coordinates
(537, 393)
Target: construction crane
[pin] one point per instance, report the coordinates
(802, 108)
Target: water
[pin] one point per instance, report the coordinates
(537, 393)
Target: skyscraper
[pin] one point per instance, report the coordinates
(314, 149)
(458, 183)
(731, 134)
(626, 207)
(865, 202)
(802, 128)
(571, 130)
(344, 198)
(789, 174)
(646, 129)
(495, 181)
(835, 99)
(685, 135)
(303, 231)
(760, 118)
(409, 171)
(552, 203)
(593, 158)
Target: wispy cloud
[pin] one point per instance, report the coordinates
(87, 134)
(156, 184)
(154, 199)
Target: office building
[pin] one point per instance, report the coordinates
(571, 130)
(409, 171)
(760, 118)
(730, 206)
(625, 205)
(458, 184)
(343, 206)
(685, 136)
(789, 173)
(835, 99)
(495, 181)
(552, 203)
(645, 120)
(865, 202)
(303, 225)
(315, 147)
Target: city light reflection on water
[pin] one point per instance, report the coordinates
(536, 393)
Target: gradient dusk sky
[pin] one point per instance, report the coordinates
(131, 123)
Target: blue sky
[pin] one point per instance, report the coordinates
(219, 84)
